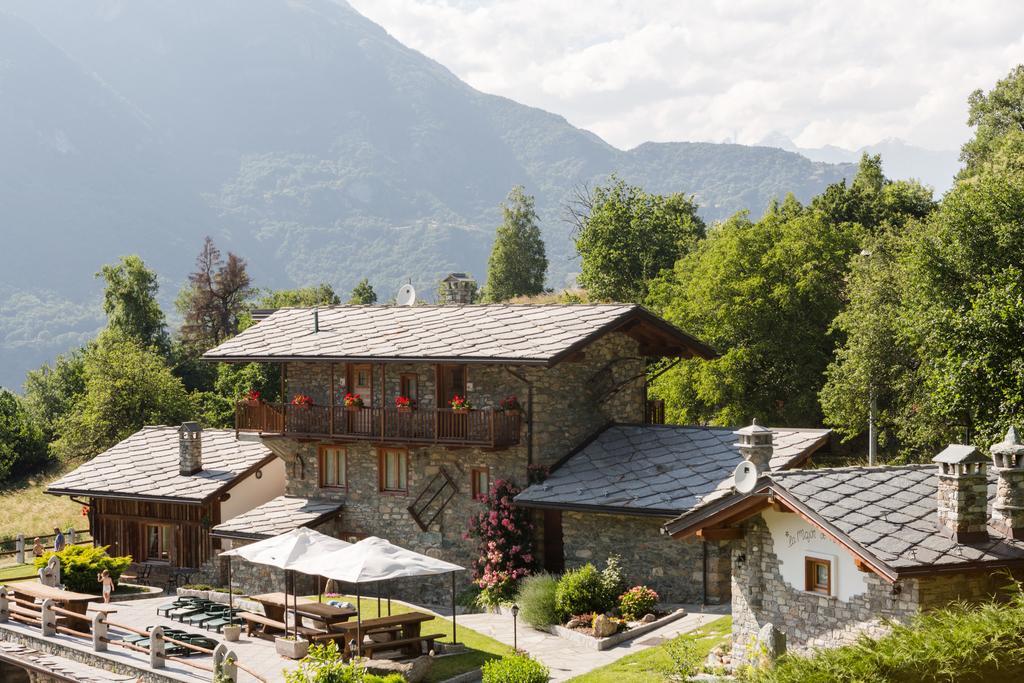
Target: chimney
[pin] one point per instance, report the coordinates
(190, 448)
(457, 288)
(755, 445)
(962, 494)
(1008, 465)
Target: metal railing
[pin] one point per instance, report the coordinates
(488, 427)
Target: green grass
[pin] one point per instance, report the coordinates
(653, 664)
(30, 511)
(14, 572)
(479, 648)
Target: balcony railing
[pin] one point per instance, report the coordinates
(491, 428)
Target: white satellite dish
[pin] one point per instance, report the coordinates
(744, 477)
(406, 295)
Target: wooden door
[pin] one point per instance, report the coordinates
(360, 381)
(451, 382)
(554, 551)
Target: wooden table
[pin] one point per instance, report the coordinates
(407, 626)
(274, 607)
(69, 600)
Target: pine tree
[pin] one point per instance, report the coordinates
(518, 260)
(363, 293)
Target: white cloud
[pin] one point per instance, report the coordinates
(848, 74)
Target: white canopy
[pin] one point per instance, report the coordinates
(296, 550)
(375, 559)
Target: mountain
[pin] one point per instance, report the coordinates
(295, 132)
(900, 159)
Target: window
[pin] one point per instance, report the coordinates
(394, 470)
(333, 467)
(818, 575)
(158, 542)
(410, 387)
(480, 478)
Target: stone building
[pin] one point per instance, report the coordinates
(827, 554)
(401, 461)
(457, 288)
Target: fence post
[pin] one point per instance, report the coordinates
(19, 555)
(71, 536)
(225, 661)
(156, 648)
(5, 612)
(49, 618)
(99, 632)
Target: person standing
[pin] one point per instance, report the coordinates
(107, 582)
(37, 548)
(58, 540)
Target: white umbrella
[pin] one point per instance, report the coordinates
(375, 559)
(295, 550)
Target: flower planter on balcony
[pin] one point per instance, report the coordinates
(460, 411)
(405, 409)
(353, 409)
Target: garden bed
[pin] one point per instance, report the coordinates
(583, 638)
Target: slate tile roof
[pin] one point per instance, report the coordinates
(277, 516)
(891, 513)
(497, 333)
(651, 469)
(146, 465)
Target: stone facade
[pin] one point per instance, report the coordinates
(963, 502)
(675, 569)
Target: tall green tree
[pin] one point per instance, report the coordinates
(626, 237)
(363, 293)
(215, 299)
(317, 295)
(994, 115)
(127, 385)
(763, 294)
(518, 262)
(51, 392)
(22, 443)
(129, 300)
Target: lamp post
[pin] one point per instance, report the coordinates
(515, 634)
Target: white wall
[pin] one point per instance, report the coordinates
(252, 492)
(795, 540)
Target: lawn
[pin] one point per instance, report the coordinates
(13, 572)
(653, 665)
(30, 511)
(479, 648)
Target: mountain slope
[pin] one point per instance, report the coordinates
(301, 135)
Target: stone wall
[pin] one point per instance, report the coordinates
(675, 569)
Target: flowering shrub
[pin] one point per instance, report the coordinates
(510, 403)
(353, 400)
(403, 402)
(460, 403)
(252, 395)
(302, 400)
(637, 601)
(505, 543)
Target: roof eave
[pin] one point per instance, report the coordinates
(461, 360)
(126, 496)
(604, 509)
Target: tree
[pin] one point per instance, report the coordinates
(127, 385)
(215, 298)
(626, 237)
(51, 392)
(763, 294)
(872, 200)
(129, 301)
(363, 293)
(318, 295)
(22, 443)
(994, 116)
(518, 262)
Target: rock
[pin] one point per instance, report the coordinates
(414, 671)
(604, 627)
(648, 619)
(771, 643)
(575, 623)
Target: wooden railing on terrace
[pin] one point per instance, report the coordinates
(490, 428)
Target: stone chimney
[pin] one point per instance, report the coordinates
(962, 494)
(1008, 465)
(755, 445)
(190, 448)
(457, 288)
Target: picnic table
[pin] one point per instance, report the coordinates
(69, 600)
(400, 632)
(275, 605)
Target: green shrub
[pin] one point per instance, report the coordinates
(637, 601)
(536, 600)
(613, 579)
(581, 591)
(80, 564)
(324, 664)
(515, 669)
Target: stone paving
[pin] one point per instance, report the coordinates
(567, 659)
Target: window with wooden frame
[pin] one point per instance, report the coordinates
(818, 575)
(480, 481)
(333, 467)
(159, 542)
(410, 387)
(394, 470)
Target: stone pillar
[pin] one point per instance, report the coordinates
(49, 618)
(190, 448)
(962, 496)
(19, 549)
(156, 648)
(755, 445)
(99, 632)
(1008, 465)
(5, 606)
(225, 662)
(71, 536)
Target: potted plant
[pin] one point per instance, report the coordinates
(291, 647)
(252, 397)
(232, 632)
(460, 404)
(510, 404)
(404, 404)
(353, 402)
(302, 400)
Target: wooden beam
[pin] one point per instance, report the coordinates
(862, 565)
(779, 507)
(720, 534)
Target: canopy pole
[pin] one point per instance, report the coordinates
(359, 623)
(389, 599)
(454, 633)
(231, 597)
(319, 591)
(377, 586)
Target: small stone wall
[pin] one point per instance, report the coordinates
(675, 569)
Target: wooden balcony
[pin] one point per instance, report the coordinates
(487, 428)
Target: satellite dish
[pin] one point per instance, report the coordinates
(744, 477)
(406, 295)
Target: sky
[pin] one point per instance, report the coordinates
(842, 73)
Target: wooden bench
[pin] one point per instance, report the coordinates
(252, 619)
(401, 644)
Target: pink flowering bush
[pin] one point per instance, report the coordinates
(505, 542)
(637, 601)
